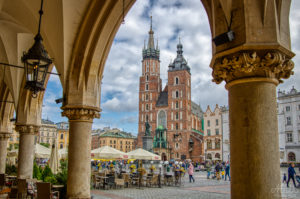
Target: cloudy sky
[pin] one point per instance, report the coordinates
(171, 19)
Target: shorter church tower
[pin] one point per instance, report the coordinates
(179, 105)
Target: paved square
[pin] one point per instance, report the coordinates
(201, 189)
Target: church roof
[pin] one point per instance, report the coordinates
(196, 110)
(179, 63)
(162, 99)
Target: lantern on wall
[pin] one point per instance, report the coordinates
(36, 62)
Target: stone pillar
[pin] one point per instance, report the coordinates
(79, 154)
(26, 149)
(3, 150)
(254, 145)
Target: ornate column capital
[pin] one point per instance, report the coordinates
(5, 135)
(81, 113)
(252, 64)
(27, 129)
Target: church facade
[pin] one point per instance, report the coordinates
(175, 121)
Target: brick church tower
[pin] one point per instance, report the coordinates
(174, 119)
(150, 86)
(179, 105)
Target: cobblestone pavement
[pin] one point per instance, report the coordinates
(201, 189)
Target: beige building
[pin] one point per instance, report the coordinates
(213, 134)
(13, 141)
(47, 133)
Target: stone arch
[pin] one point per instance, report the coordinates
(217, 156)
(291, 157)
(209, 156)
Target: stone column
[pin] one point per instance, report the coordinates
(3, 150)
(79, 155)
(26, 149)
(251, 79)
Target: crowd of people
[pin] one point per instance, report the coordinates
(218, 171)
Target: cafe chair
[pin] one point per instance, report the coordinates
(44, 191)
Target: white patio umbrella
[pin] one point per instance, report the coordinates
(141, 154)
(107, 152)
(42, 151)
(39, 151)
(63, 153)
(54, 161)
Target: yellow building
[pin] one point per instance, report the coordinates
(115, 138)
(62, 134)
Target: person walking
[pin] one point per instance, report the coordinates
(291, 174)
(284, 178)
(191, 172)
(218, 168)
(227, 170)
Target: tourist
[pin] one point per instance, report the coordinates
(191, 172)
(227, 170)
(284, 178)
(291, 174)
(217, 168)
(222, 173)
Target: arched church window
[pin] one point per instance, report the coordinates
(177, 94)
(147, 87)
(147, 107)
(147, 77)
(176, 126)
(176, 80)
(147, 118)
(177, 106)
(162, 118)
(177, 116)
(147, 97)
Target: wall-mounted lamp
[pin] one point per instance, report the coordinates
(224, 38)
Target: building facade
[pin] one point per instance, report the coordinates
(62, 134)
(225, 133)
(289, 125)
(117, 139)
(13, 141)
(176, 131)
(47, 132)
(213, 134)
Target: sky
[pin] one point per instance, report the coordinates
(171, 19)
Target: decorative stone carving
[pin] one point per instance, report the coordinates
(250, 64)
(81, 113)
(5, 135)
(27, 129)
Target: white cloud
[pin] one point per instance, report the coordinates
(123, 67)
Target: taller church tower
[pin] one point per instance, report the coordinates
(150, 86)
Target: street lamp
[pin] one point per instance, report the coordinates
(36, 62)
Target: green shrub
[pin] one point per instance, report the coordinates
(37, 172)
(11, 170)
(46, 173)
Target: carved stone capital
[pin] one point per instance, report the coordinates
(5, 136)
(81, 113)
(273, 65)
(27, 129)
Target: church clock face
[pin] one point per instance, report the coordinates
(162, 118)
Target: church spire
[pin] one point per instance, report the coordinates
(151, 51)
(151, 33)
